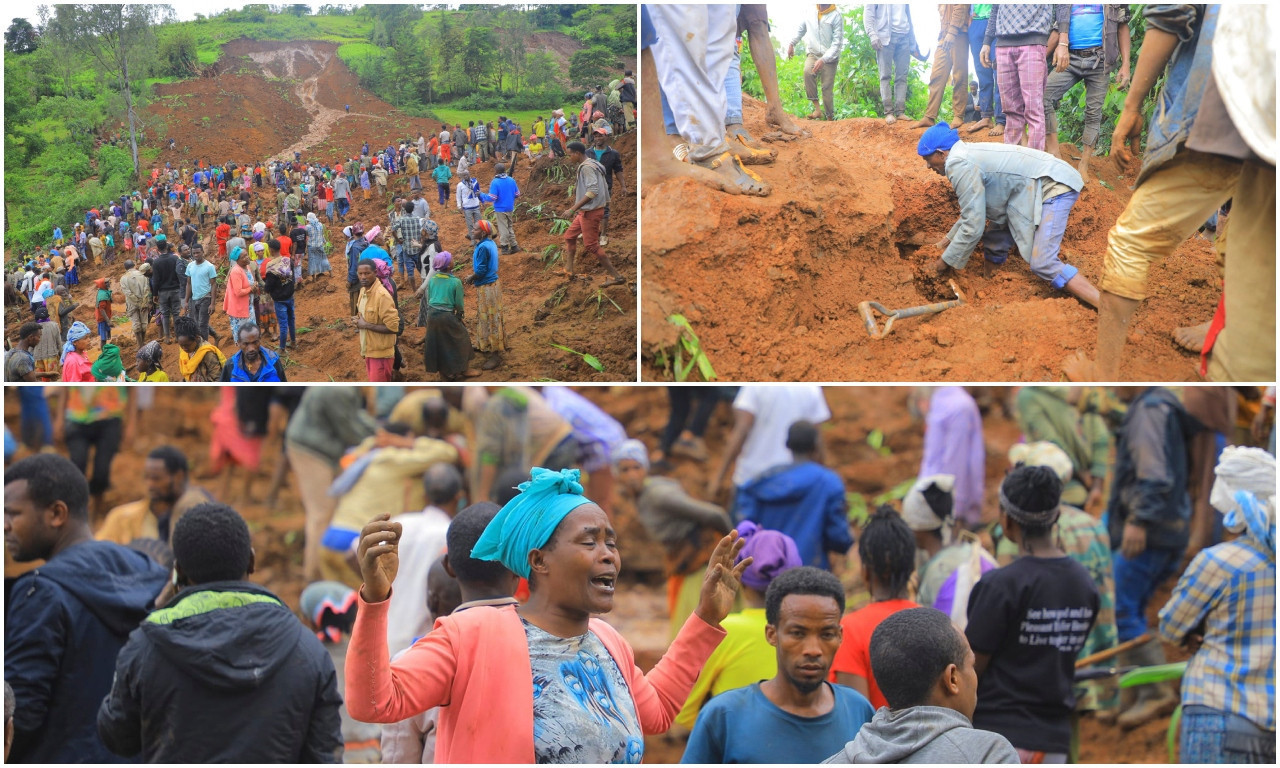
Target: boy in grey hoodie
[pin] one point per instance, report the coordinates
(924, 667)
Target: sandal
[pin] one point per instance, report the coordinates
(747, 182)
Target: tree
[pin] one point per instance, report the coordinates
(20, 37)
(478, 53)
(540, 69)
(177, 52)
(590, 67)
(117, 37)
(299, 9)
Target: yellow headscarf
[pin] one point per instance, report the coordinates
(189, 363)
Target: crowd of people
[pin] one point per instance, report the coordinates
(457, 540)
(1210, 144)
(239, 239)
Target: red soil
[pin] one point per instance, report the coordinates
(772, 285)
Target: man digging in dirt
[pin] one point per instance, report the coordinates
(1025, 194)
(688, 47)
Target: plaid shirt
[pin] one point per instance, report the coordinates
(1228, 593)
(407, 229)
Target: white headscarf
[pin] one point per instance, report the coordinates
(1244, 490)
(916, 511)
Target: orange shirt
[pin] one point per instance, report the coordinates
(286, 245)
(854, 656)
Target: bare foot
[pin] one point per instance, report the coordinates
(988, 269)
(923, 122)
(1083, 168)
(941, 268)
(783, 122)
(998, 130)
(1078, 368)
(889, 119)
(614, 281)
(975, 127)
(1191, 337)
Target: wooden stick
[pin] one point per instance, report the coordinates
(1094, 658)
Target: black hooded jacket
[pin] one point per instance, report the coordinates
(224, 674)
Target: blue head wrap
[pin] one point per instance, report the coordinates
(940, 136)
(527, 522)
(76, 332)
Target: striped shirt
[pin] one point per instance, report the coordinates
(1231, 589)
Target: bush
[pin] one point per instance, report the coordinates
(64, 161)
(114, 164)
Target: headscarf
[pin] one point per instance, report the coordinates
(940, 136)
(108, 366)
(346, 232)
(442, 261)
(150, 353)
(484, 226)
(259, 227)
(311, 217)
(1032, 517)
(76, 332)
(774, 552)
(920, 515)
(235, 253)
(1244, 490)
(528, 521)
(1042, 454)
(257, 236)
(634, 450)
(373, 233)
(281, 266)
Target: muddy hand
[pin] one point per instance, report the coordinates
(723, 580)
(379, 557)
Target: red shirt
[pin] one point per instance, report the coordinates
(328, 193)
(286, 245)
(854, 656)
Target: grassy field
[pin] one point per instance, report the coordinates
(523, 118)
(212, 33)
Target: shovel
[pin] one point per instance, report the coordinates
(876, 332)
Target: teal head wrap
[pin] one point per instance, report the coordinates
(939, 136)
(527, 522)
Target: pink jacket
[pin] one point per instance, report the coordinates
(475, 666)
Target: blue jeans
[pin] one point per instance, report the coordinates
(733, 90)
(1044, 260)
(328, 210)
(1136, 582)
(1213, 736)
(344, 205)
(284, 318)
(104, 331)
(988, 92)
(405, 262)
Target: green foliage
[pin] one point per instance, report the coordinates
(20, 38)
(65, 161)
(113, 164)
(687, 347)
(590, 360)
(177, 52)
(857, 82)
(591, 67)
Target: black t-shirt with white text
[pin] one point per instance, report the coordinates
(1032, 617)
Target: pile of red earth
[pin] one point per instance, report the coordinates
(772, 285)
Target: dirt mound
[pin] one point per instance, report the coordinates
(268, 99)
(772, 285)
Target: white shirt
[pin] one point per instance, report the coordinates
(421, 544)
(775, 410)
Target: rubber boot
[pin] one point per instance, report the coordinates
(1155, 700)
(1128, 696)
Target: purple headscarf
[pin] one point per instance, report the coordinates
(774, 553)
(442, 261)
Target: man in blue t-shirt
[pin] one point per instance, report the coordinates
(201, 291)
(1095, 43)
(503, 192)
(796, 716)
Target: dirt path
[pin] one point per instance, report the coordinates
(250, 108)
(772, 285)
(323, 117)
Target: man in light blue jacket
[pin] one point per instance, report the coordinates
(1009, 195)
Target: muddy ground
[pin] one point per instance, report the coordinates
(244, 112)
(641, 610)
(772, 285)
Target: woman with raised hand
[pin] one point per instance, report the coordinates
(586, 701)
